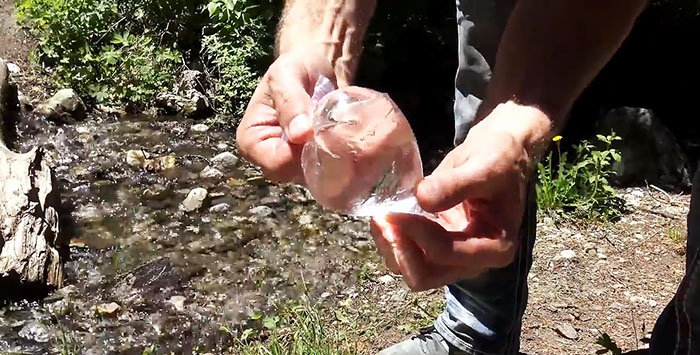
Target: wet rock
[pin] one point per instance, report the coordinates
(194, 200)
(170, 104)
(135, 157)
(200, 128)
(220, 208)
(197, 105)
(194, 80)
(25, 102)
(35, 331)
(151, 282)
(225, 160)
(211, 173)
(108, 308)
(261, 211)
(13, 68)
(191, 98)
(178, 302)
(650, 152)
(8, 91)
(64, 107)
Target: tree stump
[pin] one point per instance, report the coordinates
(29, 245)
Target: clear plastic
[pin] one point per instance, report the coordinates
(363, 159)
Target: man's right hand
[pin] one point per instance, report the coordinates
(281, 104)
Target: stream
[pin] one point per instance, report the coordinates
(145, 274)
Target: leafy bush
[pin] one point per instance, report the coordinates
(580, 186)
(239, 48)
(102, 48)
(125, 52)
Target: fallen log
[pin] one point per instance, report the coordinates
(30, 260)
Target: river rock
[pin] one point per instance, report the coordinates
(13, 68)
(225, 160)
(191, 98)
(211, 173)
(35, 331)
(193, 80)
(152, 282)
(650, 152)
(64, 107)
(8, 90)
(194, 200)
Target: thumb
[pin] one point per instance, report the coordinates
(292, 104)
(291, 80)
(446, 188)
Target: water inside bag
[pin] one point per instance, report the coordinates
(363, 159)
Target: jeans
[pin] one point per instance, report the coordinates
(484, 315)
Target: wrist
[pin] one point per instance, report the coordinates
(333, 29)
(531, 127)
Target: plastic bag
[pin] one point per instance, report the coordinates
(363, 159)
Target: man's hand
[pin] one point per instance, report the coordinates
(478, 194)
(281, 104)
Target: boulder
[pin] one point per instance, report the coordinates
(64, 107)
(650, 152)
(191, 98)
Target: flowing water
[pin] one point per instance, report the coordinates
(177, 277)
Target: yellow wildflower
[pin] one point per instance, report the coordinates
(556, 138)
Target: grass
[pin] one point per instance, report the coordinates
(297, 329)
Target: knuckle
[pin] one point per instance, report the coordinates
(507, 254)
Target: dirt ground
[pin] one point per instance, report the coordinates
(587, 279)
(14, 45)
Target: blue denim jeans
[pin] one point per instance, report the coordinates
(484, 315)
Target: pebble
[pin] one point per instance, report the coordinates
(135, 157)
(35, 331)
(225, 160)
(13, 68)
(178, 302)
(108, 308)
(200, 128)
(261, 211)
(194, 200)
(211, 173)
(567, 331)
(386, 279)
(219, 208)
(567, 254)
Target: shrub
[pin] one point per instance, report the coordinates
(239, 48)
(101, 48)
(580, 186)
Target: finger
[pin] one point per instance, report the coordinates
(384, 247)
(420, 274)
(477, 247)
(291, 82)
(278, 160)
(446, 188)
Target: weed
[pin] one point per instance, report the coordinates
(676, 235)
(68, 343)
(608, 345)
(580, 186)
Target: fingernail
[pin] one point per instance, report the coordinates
(299, 127)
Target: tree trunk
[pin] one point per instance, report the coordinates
(29, 247)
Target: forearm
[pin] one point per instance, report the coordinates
(332, 28)
(550, 51)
